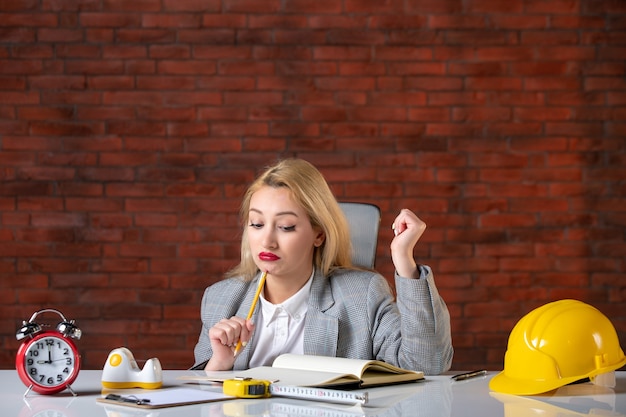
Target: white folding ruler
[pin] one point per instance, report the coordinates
(318, 394)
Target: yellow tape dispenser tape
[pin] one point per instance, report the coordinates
(247, 388)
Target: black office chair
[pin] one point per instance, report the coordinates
(364, 222)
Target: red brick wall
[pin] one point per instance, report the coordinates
(129, 130)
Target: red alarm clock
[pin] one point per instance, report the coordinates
(48, 361)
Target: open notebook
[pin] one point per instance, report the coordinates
(319, 371)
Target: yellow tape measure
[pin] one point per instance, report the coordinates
(259, 388)
(247, 388)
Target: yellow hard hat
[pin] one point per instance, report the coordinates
(557, 344)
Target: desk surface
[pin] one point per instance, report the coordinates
(437, 396)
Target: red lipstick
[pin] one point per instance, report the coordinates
(268, 256)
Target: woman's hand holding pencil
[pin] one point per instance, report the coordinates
(228, 336)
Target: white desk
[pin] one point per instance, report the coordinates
(437, 396)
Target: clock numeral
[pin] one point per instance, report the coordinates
(50, 380)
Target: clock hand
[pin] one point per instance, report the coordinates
(52, 360)
(49, 358)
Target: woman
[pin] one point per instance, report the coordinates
(314, 301)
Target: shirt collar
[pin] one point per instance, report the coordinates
(295, 306)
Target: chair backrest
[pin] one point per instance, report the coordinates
(364, 221)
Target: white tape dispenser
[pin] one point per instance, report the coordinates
(121, 371)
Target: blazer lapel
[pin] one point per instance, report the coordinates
(321, 331)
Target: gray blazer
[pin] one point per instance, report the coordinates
(351, 313)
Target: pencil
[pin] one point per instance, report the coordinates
(251, 311)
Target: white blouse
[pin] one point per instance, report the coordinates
(280, 327)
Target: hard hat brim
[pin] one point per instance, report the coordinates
(507, 385)
(504, 384)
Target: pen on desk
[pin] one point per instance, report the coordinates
(130, 399)
(251, 311)
(468, 375)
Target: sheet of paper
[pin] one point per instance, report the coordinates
(182, 395)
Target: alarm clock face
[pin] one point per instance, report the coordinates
(49, 362)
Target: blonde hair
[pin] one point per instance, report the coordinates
(310, 190)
